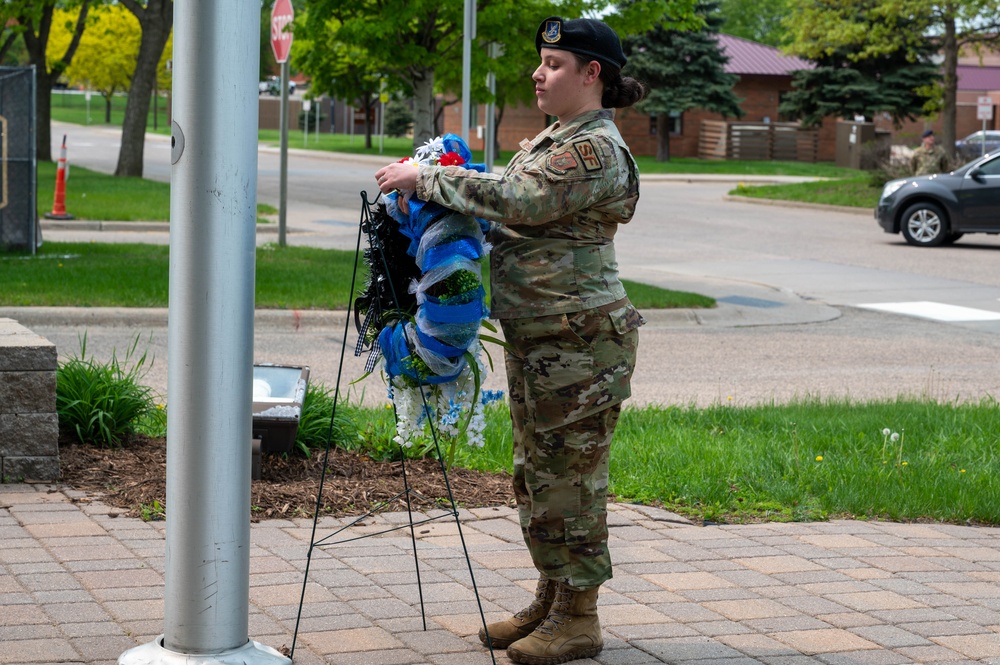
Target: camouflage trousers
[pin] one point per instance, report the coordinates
(568, 375)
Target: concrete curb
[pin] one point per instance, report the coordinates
(293, 319)
(140, 317)
(723, 316)
(135, 227)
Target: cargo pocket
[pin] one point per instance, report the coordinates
(626, 319)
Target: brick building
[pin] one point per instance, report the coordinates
(765, 74)
(977, 77)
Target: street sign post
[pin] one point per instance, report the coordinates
(984, 108)
(984, 112)
(282, 15)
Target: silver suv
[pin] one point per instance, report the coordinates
(971, 147)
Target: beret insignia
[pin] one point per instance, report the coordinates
(552, 31)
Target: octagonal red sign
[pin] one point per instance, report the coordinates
(281, 39)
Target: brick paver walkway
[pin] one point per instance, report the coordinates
(80, 584)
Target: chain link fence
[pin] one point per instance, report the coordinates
(18, 208)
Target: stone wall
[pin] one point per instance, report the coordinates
(29, 425)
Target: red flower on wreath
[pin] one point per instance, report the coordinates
(451, 159)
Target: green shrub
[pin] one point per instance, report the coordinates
(101, 403)
(398, 118)
(313, 120)
(314, 421)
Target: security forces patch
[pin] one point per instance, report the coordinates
(552, 31)
(562, 163)
(588, 155)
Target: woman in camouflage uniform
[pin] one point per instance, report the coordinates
(556, 292)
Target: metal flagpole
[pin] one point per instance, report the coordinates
(468, 34)
(210, 340)
(489, 145)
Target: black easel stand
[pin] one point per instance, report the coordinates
(332, 539)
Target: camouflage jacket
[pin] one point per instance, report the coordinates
(926, 162)
(558, 205)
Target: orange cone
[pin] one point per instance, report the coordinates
(59, 200)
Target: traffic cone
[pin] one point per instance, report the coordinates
(59, 200)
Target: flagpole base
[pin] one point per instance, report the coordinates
(154, 653)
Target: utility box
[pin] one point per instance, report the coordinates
(279, 391)
(860, 145)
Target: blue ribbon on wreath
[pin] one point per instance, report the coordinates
(446, 327)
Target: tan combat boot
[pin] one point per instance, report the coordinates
(505, 633)
(570, 631)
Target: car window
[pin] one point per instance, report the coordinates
(991, 167)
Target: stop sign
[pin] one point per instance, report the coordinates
(281, 40)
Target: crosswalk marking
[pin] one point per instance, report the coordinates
(936, 311)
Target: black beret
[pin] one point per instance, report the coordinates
(584, 36)
(927, 132)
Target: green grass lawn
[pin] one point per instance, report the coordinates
(100, 197)
(136, 275)
(97, 196)
(854, 192)
(802, 461)
(71, 106)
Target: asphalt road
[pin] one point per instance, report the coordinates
(807, 296)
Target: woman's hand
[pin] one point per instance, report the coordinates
(397, 176)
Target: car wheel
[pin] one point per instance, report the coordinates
(924, 224)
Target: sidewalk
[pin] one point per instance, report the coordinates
(81, 584)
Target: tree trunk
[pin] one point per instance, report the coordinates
(662, 137)
(423, 106)
(156, 20)
(43, 114)
(950, 66)
(369, 106)
(107, 108)
(36, 46)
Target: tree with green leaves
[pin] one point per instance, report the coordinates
(401, 41)
(512, 29)
(416, 45)
(760, 21)
(338, 69)
(156, 18)
(32, 20)
(843, 88)
(684, 70)
(105, 57)
(874, 28)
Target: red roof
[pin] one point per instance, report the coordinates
(971, 77)
(747, 57)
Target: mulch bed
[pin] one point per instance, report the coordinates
(133, 478)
